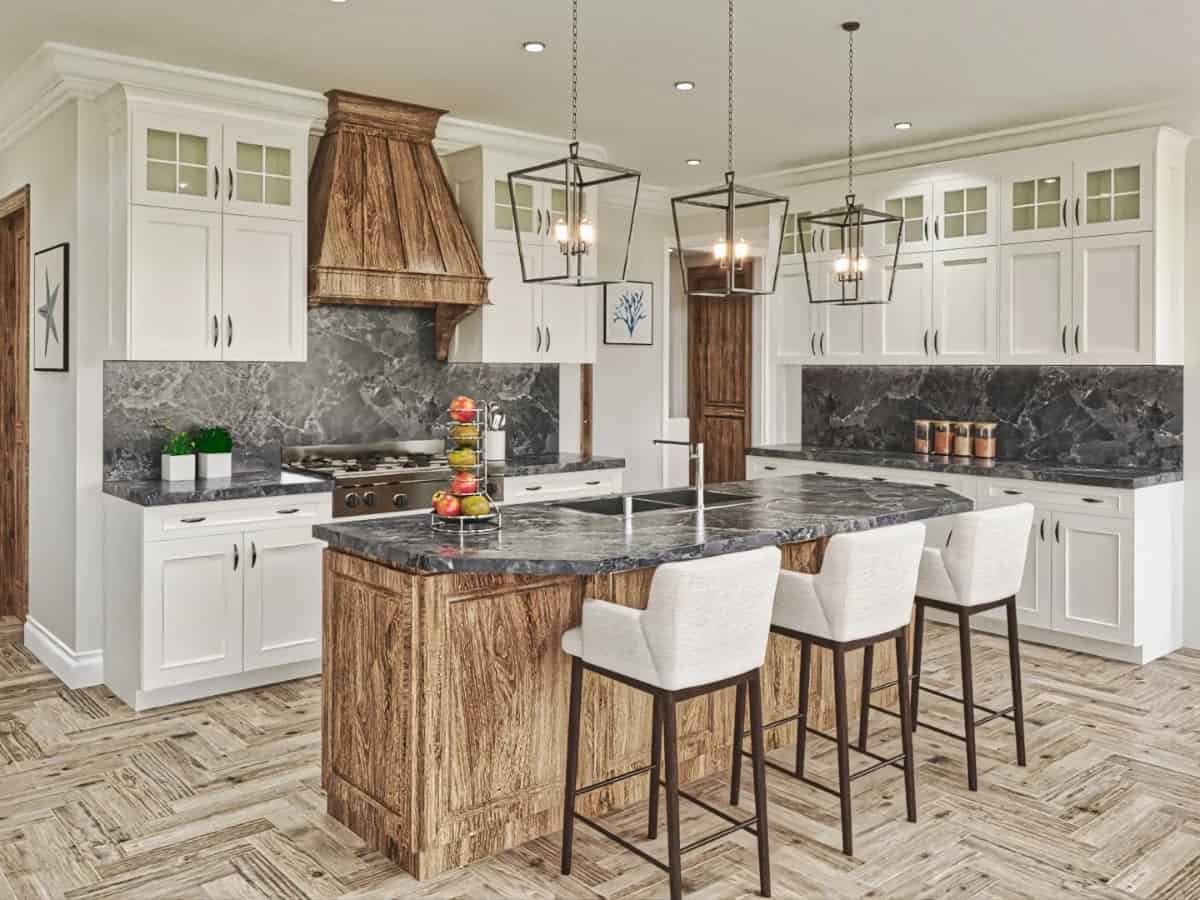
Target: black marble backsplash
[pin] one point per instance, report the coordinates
(371, 375)
(1086, 415)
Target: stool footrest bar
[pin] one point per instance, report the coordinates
(610, 781)
(717, 835)
(617, 839)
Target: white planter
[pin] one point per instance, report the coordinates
(178, 468)
(216, 465)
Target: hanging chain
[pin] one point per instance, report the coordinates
(730, 149)
(574, 70)
(850, 189)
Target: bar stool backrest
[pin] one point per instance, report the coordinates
(709, 619)
(985, 556)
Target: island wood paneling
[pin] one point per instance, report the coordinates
(446, 703)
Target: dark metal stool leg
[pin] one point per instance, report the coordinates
(918, 642)
(760, 784)
(739, 720)
(864, 712)
(672, 762)
(802, 724)
(1014, 663)
(968, 684)
(568, 837)
(655, 766)
(906, 734)
(843, 748)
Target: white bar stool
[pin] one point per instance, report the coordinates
(705, 627)
(980, 568)
(858, 599)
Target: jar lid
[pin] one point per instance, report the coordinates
(985, 425)
(922, 421)
(963, 424)
(945, 422)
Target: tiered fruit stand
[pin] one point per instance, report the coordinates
(460, 438)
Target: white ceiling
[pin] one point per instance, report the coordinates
(952, 67)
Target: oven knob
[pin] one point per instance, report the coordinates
(352, 500)
(399, 500)
(369, 498)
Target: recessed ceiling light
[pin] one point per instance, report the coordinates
(902, 126)
(685, 85)
(534, 46)
(693, 161)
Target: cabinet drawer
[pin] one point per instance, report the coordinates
(560, 485)
(222, 517)
(1101, 501)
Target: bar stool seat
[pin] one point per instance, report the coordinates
(705, 627)
(980, 568)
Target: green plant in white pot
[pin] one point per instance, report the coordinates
(179, 458)
(215, 449)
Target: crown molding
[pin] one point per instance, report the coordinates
(454, 134)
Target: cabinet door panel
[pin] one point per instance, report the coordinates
(1035, 201)
(901, 331)
(1113, 188)
(532, 215)
(914, 203)
(964, 305)
(1114, 297)
(263, 288)
(175, 160)
(1035, 302)
(965, 213)
(1093, 577)
(266, 171)
(511, 329)
(283, 597)
(566, 314)
(192, 610)
(1034, 597)
(174, 284)
(845, 334)
(793, 317)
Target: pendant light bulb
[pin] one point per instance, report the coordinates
(561, 232)
(842, 264)
(741, 250)
(587, 233)
(719, 250)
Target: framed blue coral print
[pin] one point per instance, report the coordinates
(629, 313)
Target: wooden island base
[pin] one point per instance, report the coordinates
(445, 707)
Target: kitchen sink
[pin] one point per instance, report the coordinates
(657, 501)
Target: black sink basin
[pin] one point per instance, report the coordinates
(687, 497)
(614, 506)
(657, 501)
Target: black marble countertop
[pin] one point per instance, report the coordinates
(549, 538)
(551, 463)
(1120, 477)
(241, 486)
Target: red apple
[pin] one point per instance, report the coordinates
(463, 483)
(462, 409)
(446, 504)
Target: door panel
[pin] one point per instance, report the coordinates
(1035, 202)
(965, 213)
(1035, 302)
(282, 613)
(1093, 577)
(1034, 598)
(175, 160)
(964, 305)
(1113, 189)
(1114, 299)
(263, 290)
(900, 331)
(794, 330)
(510, 322)
(265, 171)
(914, 203)
(566, 315)
(14, 413)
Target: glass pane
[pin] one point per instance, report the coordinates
(525, 195)
(1047, 215)
(558, 201)
(913, 231)
(193, 149)
(525, 218)
(977, 198)
(279, 161)
(1022, 218)
(1127, 179)
(160, 144)
(789, 244)
(894, 206)
(504, 220)
(953, 227)
(977, 223)
(835, 238)
(160, 177)
(502, 195)
(914, 207)
(1127, 207)
(952, 201)
(1099, 210)
(193, 180)
(250, 188)
(249, 157)
(890, 231)
(1022, 192)
(279, 191)
(1099, 183)
(1049, 189)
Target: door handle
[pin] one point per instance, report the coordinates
(936, 236)
(231, 184)
(941, 484)
(1076, 212)
(924, 229)
(936, 348)
(549, 223)
(538, 329)
(253, 554)
(193, 520)
(534, 487)
(822, 343)
(1064, 214)
(216, 331)
(591, 483)
(1057, 536)
(812, 343)
(769, 468)
(539, 228)
(1092, 500)
(287, 512)
(229, 330)
(926, 341)
(1043, 531)
(216, 182)
(1064, 339)
(1012, 493)
(1077, 339)
(547, 338)
(236, 557)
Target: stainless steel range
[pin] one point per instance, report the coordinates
(385, 477)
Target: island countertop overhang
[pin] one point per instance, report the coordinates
(550, 539)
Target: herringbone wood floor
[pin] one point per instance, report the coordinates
(220, 799)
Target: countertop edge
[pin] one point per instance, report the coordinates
(517, 469)
(146, 495)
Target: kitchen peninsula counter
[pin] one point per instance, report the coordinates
(445, 703)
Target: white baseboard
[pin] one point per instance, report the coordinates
(77, 670)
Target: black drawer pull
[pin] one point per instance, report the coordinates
(592, 483)
(878, 478)
(941, 484)
(819, 472)
(769, 468)
(1012, 493)
(1092, 500)
(193, 520)
(287, 512)
(534, 487)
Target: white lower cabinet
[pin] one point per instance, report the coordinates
(211, 597)
(1103, 571)
(562, 486)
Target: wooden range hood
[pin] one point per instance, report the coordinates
(383, 227)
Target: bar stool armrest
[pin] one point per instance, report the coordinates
(613, 639)
(934, 582)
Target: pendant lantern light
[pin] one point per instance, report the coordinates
(562, 248)
(848, 283)
(734, 226)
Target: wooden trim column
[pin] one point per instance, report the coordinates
(585, 409)
(14, 404)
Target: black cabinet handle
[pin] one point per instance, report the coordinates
(819, 472)
(534, 487)
(822, 343)
(229, 331)
(878, 478)
(1064, 339)
(253, 554)
(926, 341)
(1043, 531)
(231, 184)
(1012, 493)
(812, 343)
(936, 348)
(941, 484)
(216, 182)
(769, 468)
(539, 227)
(193, 520)
(592, 483)
(1057, 536)
(1064, 214)
(1077, 339)
(936, 237)
(287, 512)
(547, 338)
(924, 229)
(1077, 211)
(538, 349)
(236, 556)
(216, 331)
(1092, 500)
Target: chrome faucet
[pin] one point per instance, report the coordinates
(695, 452)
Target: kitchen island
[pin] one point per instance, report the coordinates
(445, 688)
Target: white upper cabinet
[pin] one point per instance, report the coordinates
(531, 211)
(1113, 186)
(265, 170)
(263, 265)
(901, 331)
(175, 159)
(1036, 320)
(964, 305)
(1114, 300)
(913, 202)
(965, 213)
(1035, 198)
(793, 317)
(508, 327)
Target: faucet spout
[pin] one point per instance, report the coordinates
(696, 453)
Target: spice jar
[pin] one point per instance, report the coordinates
(921, 435)
(941, 437)
(985, 440)
(962, 438)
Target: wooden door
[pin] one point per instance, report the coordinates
(264, 301)
(719, 367)
(14, 404)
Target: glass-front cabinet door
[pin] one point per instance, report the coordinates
(265, 172)
(913, 202)
(1113, 192)
(1035, 202)
(531, 217)
(175, 161)
(964, 213)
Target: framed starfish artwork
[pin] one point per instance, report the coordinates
(51, 273)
